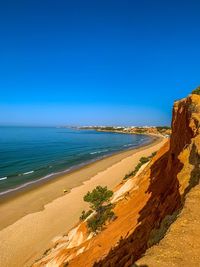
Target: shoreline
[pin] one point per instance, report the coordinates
(63, 182)
(34, 217)
(11, 192)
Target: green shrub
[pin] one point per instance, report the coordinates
(96, 222)
(127, 176)
(142, 161)
(196, 91)
(140, 130)
(99, 200)
(161, 128)
(98, 197)
(85, 214)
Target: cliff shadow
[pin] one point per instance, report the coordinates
(164, 201)
(194, 160)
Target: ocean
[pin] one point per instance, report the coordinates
(30, 154)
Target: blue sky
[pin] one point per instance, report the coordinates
(96, 62)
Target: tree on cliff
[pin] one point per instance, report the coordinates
(99, 200)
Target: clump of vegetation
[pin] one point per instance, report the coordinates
(99, 200)
(142, 161)
(159, 128)
(140, 130)
(85, 214)
(128, 175)
(153, 154)
(196, 91)
(99, 196)
(163, 129)
(96, 222)
(110, 128)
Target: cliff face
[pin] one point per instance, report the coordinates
(154, 198)
(181, 245)
(171, 176)
(185, 142)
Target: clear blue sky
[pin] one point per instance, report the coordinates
(96, 62)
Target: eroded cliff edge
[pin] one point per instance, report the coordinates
(154, 199)
(172, 175)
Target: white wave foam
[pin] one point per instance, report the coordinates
(3, 178)
(27, 172)
(32, 182)
(25, 185)
(128, 145)
(99, 151)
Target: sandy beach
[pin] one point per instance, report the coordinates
(31, 219)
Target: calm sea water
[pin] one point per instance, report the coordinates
(29, 154)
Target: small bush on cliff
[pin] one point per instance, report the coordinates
(153, 154)
(98, 197)
(99, 200)
(85, 214)
(143, 160)
(96, 222)
(196, 91)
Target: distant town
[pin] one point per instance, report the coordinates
(151, 130)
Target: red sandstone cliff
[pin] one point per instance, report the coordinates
(172, 175)
(151, 205)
